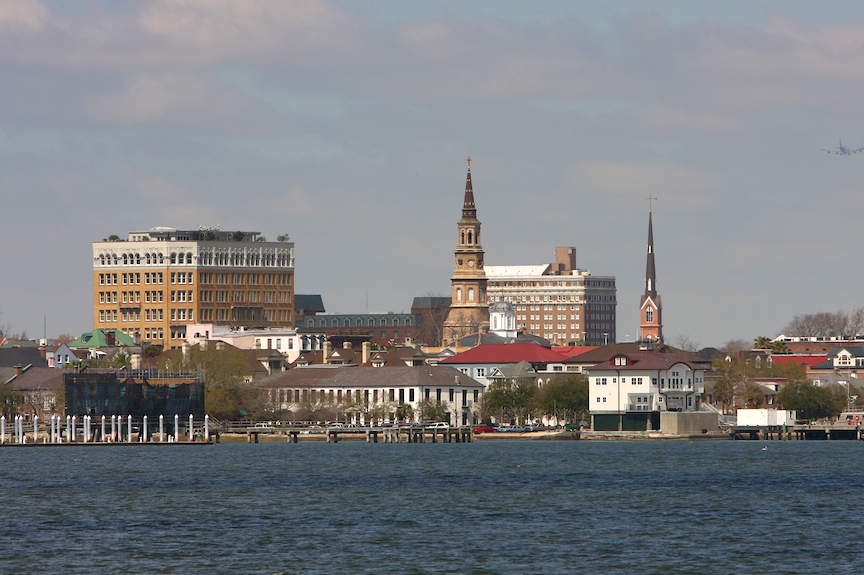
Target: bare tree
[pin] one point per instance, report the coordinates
(827, 324)
(683, 341)
(734, 345)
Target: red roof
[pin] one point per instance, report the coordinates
(507, 353)
(573, 350)
(805, 360)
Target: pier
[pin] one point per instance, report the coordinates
(797, 432)
(370, 434)
(116, 430)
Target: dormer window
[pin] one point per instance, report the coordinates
(620, 361)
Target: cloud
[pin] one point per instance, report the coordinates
(182, 101)
(620, 185)
(23, 15)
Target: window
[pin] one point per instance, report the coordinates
(649, 314)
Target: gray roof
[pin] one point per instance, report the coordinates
(40, 378)
(472, 340)
(308, 302)
(430, 302)
(370, 377)
(12, 356)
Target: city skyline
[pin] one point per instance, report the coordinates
(346, 124)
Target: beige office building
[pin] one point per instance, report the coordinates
(157, 282)
(558, 302)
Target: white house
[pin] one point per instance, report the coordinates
(630, 390)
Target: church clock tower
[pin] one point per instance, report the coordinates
(650, 308)
(469, 310)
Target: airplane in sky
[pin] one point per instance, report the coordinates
(842, 150)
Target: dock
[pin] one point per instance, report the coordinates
(370, 434)
(797, 432)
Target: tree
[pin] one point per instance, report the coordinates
(261, 239)
(508, 398)
(827, 324)
(223, 372)
(237, 236)
(283, 238)
(762, 342)
(431, 410)
(113, 238)
(811, 401)
(10, 399)
(565, 397)
(734, 345)
(432, 321)
(684, 342)
(733, 376)
(122, 360)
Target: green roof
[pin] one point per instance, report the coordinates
(99, 338)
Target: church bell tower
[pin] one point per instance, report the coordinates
(469, 310)
(650, 308)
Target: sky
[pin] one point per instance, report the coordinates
(346, 124)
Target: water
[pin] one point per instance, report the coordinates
(481, 508)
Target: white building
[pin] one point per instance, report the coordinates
(284, 339)
(630, 390)
(373, 394)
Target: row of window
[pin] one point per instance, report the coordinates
(245, 278)
(357, 322)
(366, 396)
(260, 342)
(251, 258)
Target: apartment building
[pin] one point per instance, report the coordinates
(157, 282)
(558, 301)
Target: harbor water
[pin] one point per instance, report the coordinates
(480, 508)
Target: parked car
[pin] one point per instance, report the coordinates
(513, 429)
(486, 428)
(439, 425)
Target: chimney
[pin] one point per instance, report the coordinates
(203, 344)
(220, 345)
(346, 345)
(565, 259)
(110, 338)
(185, 348)
(366, 350)
(19, 369)
(43, 351)
(135, 361)
(326, 350)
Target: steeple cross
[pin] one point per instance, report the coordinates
(650, 198)
(469, 161)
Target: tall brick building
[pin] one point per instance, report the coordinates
(157, 282)
(558, 301)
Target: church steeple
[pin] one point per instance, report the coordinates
(650, 271)
(469, 211)
(469, 310)
(650, 308)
